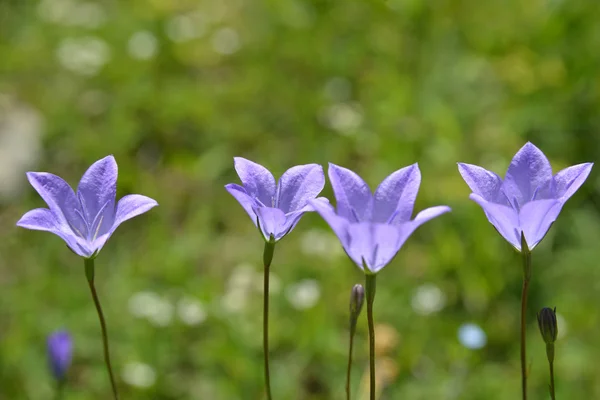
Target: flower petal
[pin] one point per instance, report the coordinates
(567, 181)
(60, 199)
(247, 202)
(131, 206)
(395, 196)
(271, 222)
(529, 170)
(536, 217)
(372, 244)
(298, 185)
(42, 219)
(485, 183)
(97, 191)
(257, 180)
(352, 194)
(292, 218)
(338, 224)
(504, 219)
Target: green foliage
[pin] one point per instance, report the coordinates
(176, 89)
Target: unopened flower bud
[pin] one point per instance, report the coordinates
(357, 298)
(547, 323)
(60, 351)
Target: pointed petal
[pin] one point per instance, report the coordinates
(528, 171)
(338, 224)
(352, 194)
(39, 219)
(429, 214)
(257, 180)
(271, 222)
(133, 205)
(298, 185)
(97, 191)
(482, 182)
(292, 218)
(42, 219)
(375, 244)
(395, 196)
(536, 217)
(60, 199)
(567, 181)
(247, 202)
(504, 219)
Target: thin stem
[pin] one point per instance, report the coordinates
(526, 253)
(349, 370)
(552, 394)
(370, 286)
(89, 273)
(60, 389)
(267, 258)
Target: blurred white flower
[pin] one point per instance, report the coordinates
(143, 45)
(85, 55)
(472, 336)
(304, 294)
(20, 144)
(156, 309)
(186, 27)
(138, 374)
(428, 299)
(342, 117)
(191, 311)
(317, 242)
(234, 300)
(72, 13)
(225, 41)
(242, 277)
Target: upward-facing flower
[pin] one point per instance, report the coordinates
(373, 227)
(86, 219)
(276, 208)
(60, 352)
(529, 198)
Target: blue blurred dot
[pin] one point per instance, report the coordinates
(472, 336)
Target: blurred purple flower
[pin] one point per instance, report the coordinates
(373, 227)
(87, 219)
(276, 208)
(60, 352)
(529, 199)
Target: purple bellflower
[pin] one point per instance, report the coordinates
(529, 198)
(373, 227)
(276, 208)
(86, 219)
(60, 352)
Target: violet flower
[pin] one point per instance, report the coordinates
(529, 198)
(373, 227)
(276, 208)
(60, 352)
(86, 219)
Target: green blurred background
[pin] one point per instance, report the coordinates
(176, 89)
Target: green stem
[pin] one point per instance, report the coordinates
(267, 258)
(351, 347)
(60, 389)
(552, 394)
(89, 273)
(526, 253)
(370, 286)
